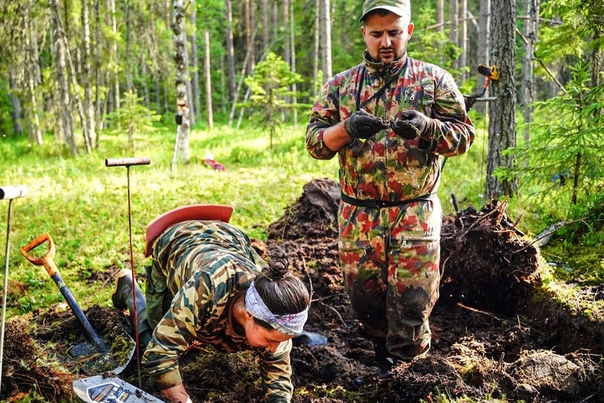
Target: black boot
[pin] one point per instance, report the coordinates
(122, 298)
(309, 339)
(385, 361)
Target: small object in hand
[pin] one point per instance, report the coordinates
(411, 125)
(362, 125)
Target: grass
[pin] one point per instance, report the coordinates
(83, 205)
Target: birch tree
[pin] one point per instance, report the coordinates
(87, 75)
(31, 77)
(63, 82)
(230, 51)
(181, 145)
(453, 32)
(325, 38)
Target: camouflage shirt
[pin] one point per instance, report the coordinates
(389, 167)
(208, 264)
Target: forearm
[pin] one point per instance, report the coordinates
(335, 137)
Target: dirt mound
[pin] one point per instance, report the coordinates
(483, 342)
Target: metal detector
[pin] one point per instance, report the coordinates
(7, 193)
(128, 162)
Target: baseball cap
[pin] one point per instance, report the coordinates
(399, 7)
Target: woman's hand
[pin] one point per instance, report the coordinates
(177, 394)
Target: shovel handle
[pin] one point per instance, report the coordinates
(46, 260)
(126, 162)
(51, 268)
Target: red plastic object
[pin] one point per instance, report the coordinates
(215, 212)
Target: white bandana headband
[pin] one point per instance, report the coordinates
(290, 324)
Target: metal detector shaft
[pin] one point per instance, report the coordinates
(126, 162)
(52, 270)
(7, 193)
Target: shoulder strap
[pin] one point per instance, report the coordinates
(379, 93)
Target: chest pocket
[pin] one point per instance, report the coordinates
(421, 96)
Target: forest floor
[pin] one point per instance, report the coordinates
(497, 332)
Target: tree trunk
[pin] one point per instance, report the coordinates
(325, 39)
(208, 78)
(502, 119)
(63, 83)
(72, 76)
(115, 58)
(440, 15)
(195, 89)
(128, 46)
(531, 25)
(32, 68)
(181, 147)
(286, 45)
(230, 51)
(483, 53)
(286, 49)
(454, 33)
(99, 76)
(265, 26)
(316, 52)
(293, 63)
(250, 25)
(463, 39)
(191, 67)
(87, 76)
(16, 104)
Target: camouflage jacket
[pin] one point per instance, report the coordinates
(208, 265)
(389, 167)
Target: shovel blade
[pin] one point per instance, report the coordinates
(102, 362)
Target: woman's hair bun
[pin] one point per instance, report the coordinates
(278, 264)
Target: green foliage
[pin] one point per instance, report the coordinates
(429, 44)
(6, 119)
(270, 85)
(134, 118)
(562, 160)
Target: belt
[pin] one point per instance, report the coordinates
(375, 203)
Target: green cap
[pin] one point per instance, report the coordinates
(402, 8)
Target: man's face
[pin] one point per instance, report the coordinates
(386, 37)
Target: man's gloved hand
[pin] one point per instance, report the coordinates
(362, 125)
(413, 124)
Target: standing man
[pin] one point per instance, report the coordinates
(391, 120)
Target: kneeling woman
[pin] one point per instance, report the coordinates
(207, 285)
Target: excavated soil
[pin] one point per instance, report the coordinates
(487, 342)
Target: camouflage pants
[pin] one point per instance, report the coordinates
(157, 295)
(390, 259)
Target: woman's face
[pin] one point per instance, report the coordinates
(261, 337)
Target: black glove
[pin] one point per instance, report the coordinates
(413, 124)
(362, 125)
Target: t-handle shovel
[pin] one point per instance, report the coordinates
(52, 270)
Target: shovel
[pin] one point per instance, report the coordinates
(105, 361)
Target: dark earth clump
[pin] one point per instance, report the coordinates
(487, 343)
